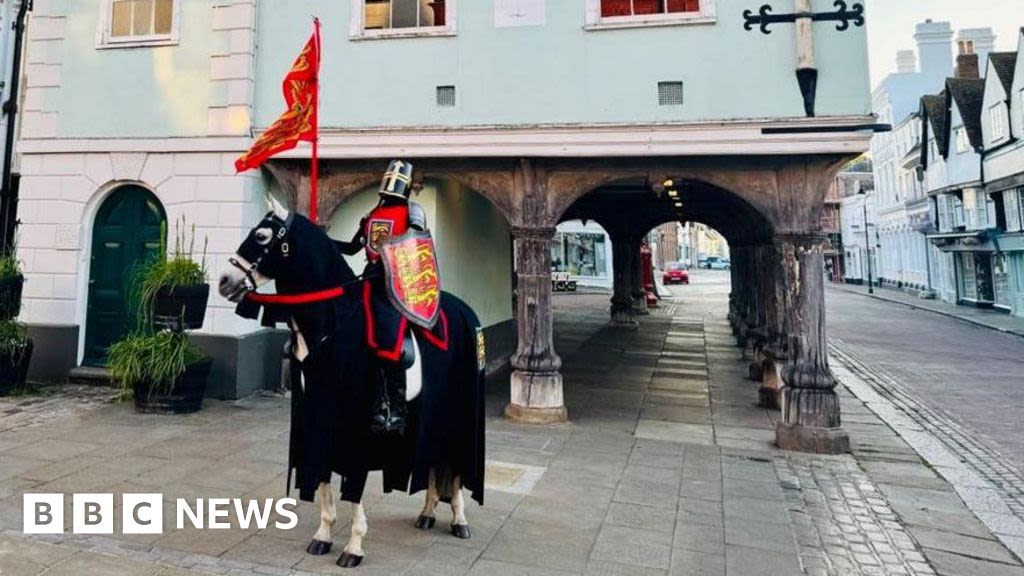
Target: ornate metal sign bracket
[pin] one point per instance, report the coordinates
(804, 17)
(843, 15)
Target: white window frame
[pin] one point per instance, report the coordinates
(594, 20)
(998, 122)
(963, 141)
(105, 40)
(357, 22)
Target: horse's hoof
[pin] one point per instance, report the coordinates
(347, 560)
(461, 531)
(318, 547)
(425, 522)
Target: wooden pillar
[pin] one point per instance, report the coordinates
(810, 406)
(636, 279)
(536, 378)
(623, 312)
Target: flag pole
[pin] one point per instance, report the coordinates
(315, 172)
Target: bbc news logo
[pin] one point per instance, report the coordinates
(144, 513)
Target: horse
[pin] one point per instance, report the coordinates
(325, 306)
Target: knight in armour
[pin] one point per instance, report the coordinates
(394, 215)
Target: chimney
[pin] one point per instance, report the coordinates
(967, 64)
(935, 50)
(906, 62)
(980, 41)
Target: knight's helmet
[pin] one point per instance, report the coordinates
(397, 180)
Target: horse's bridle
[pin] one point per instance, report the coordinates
(280, 238)
(254, 266)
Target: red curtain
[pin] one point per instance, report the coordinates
(684, 5)
(641, 7)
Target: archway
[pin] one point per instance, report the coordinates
(129, 228)
(474, 245)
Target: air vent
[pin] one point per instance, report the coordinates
(446, 96)
(670, 93)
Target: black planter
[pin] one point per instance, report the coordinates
(185, 397)
(10, 296)
(14, 368)
(181, 307)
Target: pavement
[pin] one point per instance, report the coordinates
(984, 317)
(666, 467)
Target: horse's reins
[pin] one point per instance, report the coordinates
(288, 299)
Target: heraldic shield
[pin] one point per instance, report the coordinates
(413, 280)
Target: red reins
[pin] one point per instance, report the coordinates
(295, 299)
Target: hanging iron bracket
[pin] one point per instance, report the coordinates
(844, 15)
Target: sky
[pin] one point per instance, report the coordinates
(891, 25)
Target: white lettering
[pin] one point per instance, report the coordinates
(281, 506)
(219, 509)
(253, 509)
(184, 509)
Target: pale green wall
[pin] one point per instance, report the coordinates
(134, 92)
(558, 73)
(472, 238)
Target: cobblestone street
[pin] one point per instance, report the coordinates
(666, 467)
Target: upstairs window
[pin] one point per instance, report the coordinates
(630, 13)
(139, 22)
(998, 122)
(963, 142)
(613, 8)
(389, 18)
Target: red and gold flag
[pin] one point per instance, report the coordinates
(299, 122)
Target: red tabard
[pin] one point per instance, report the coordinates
(384, 221)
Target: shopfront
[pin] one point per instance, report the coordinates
(584, 251)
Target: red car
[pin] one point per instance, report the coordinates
(676, 273)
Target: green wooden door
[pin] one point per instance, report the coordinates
(125, 234)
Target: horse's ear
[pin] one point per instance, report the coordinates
(279, 210)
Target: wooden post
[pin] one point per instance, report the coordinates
(536, 388)
(636, 278)
(623, 312)
(810, 406)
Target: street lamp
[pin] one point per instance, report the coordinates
(867, 243)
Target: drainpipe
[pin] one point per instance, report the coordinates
(8, 202)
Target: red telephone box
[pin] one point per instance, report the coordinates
(647, 264)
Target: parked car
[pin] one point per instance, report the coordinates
(676, 273)
(715, 263)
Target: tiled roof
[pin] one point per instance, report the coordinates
(1004, 64)
(969, 94)
(932, 109)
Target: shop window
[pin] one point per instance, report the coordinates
(139, 22)
(581, 254)
(383, 18)
(624, 13)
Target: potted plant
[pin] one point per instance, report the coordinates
(15, 355)
(173, 288)
(164, 371)
(11, 282)
(157, 364)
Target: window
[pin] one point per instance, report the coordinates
(1012, 209)
(581, 254)
(629, 13)
(963, 142)
(997, 122)
(139, 22)
(670, 93)
(391, 18)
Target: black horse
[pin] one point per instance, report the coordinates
(333, 364)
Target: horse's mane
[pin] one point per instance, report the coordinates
(324, 258)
